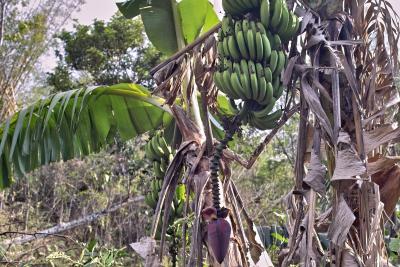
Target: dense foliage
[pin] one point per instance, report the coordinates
(104, 53)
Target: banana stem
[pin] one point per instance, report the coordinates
(195, 109)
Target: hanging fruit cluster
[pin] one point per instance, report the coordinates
(251, 55)
(158, 151)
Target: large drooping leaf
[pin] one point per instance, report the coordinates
(211, 19)
(193, 15)
(158, 20)
(131, 8)
(74, 124)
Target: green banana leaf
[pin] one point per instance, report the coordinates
(196, 17)
(74, 124)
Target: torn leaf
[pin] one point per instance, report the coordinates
(341, 224)
(379, 136)
(316, 174)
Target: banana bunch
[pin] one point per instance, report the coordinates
(178, 204)
(240, 7)
(276, 16)
(251, 55)
(158, 151)
(243, 39)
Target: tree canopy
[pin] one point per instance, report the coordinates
(104, 53)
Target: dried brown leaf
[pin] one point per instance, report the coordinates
(343, 220)
(348, 163)
(314, 104)
(382, 164)
(287, 76)
(379, 136)
(316, 174)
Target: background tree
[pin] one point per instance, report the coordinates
(104, 53)
(26, 28)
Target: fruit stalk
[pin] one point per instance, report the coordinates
(229, 133)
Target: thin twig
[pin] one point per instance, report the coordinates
(301, 148)
(257, 152)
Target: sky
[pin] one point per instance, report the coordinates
(96, 9)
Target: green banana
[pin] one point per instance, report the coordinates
(293, 27)
(228, 65)
(179, 209)
(233, 50)
(268, 74)
(245, 82)
(285, 34)
(266, 46)
(220, 48)
(268, 94)
(265, 13)
(278, 93)
(148, 199)
(277, 42)
(253, 26)
(245, 72)
(157, 170)
(281, 63)
(225, 47)
(265, 111)
(259, 47)
(273, 117)
(283, 24)
(236, 68)
(237, 87)
(226, 25)
(218, 81)
(253, 81)
(273, 61)
(242, 45)
(262, 89)
(271, 40)
(154, 196)
(163, 165)
(150, 154)
(240, 39)
(267, 122)
(245, 28)
(276, 13)
(156, 148)
(259, 70)
(226, 76)
(231, 7)
(239, 4)
(221, 34)
(244, 67)
(153, 185)
(251, 66)
(251, 44)
(163, 145)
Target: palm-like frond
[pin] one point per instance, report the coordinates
(74, 124)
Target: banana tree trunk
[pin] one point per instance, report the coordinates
(8, 103)
(348, 38)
